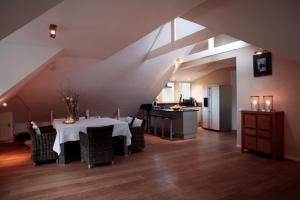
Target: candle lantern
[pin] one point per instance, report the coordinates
(254, 100)
(69, 120)
(268, 103)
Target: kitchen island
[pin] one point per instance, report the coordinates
(181, 123)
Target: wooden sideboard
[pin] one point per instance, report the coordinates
(263, 132)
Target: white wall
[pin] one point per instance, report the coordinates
(218, 77)
(284, 85)
(269, 24)
(124, 80)
(103, 59)
(279, 21)
(234, 100)
(223, 76)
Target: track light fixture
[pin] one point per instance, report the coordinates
(52, 30)
(260, 51)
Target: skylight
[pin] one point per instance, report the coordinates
(164, 36)
(185, 28)
(181, 28)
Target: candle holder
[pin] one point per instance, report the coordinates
(268, 103)
(69, 120)
(254, 101)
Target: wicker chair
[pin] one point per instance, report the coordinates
(42, 144)
(96, 146)
(137, 140)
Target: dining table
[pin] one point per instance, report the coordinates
(70, 133)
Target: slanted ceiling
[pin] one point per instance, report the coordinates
(268, 24)
(103, 44)
(23, 12)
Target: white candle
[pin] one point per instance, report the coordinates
(254, 103)
(87, 113)
(118, 114)
(268, 103)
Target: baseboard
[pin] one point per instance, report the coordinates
(285, 156)
(292, 158)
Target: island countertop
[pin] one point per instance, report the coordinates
(183, 121)
(172, 110)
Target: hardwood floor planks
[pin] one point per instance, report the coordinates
(209, 167)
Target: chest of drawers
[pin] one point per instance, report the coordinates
(263, 132)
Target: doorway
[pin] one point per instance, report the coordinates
(6, 126)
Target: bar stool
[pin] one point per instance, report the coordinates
(155, 117)
(171, 126)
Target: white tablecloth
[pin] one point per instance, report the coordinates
(70, 132)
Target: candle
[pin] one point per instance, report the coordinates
(254, 104)
(118, 113)
(87, 113)
(69, 120)
(268, 103)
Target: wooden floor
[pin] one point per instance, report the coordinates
(209, 167)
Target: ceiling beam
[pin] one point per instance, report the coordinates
(204, 34)
(195, 59)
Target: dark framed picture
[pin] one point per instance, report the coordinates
(262, 64)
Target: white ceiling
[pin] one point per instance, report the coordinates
(105, 42)
(104, 45)
(23, 12)
(193, 73)
(268, 24)
(99, 28)
(117, 82)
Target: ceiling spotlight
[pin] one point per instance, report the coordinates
(179, 60)
(4, 104)
(260, 51)
(52, 30)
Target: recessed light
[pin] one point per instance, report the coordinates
(4, 104)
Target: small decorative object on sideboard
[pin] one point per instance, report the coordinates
(268, 103)
(254, 100)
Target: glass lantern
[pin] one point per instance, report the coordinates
(268, 103)
(254, 100)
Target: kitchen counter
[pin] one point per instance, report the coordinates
(180, 110)
(184, 122)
